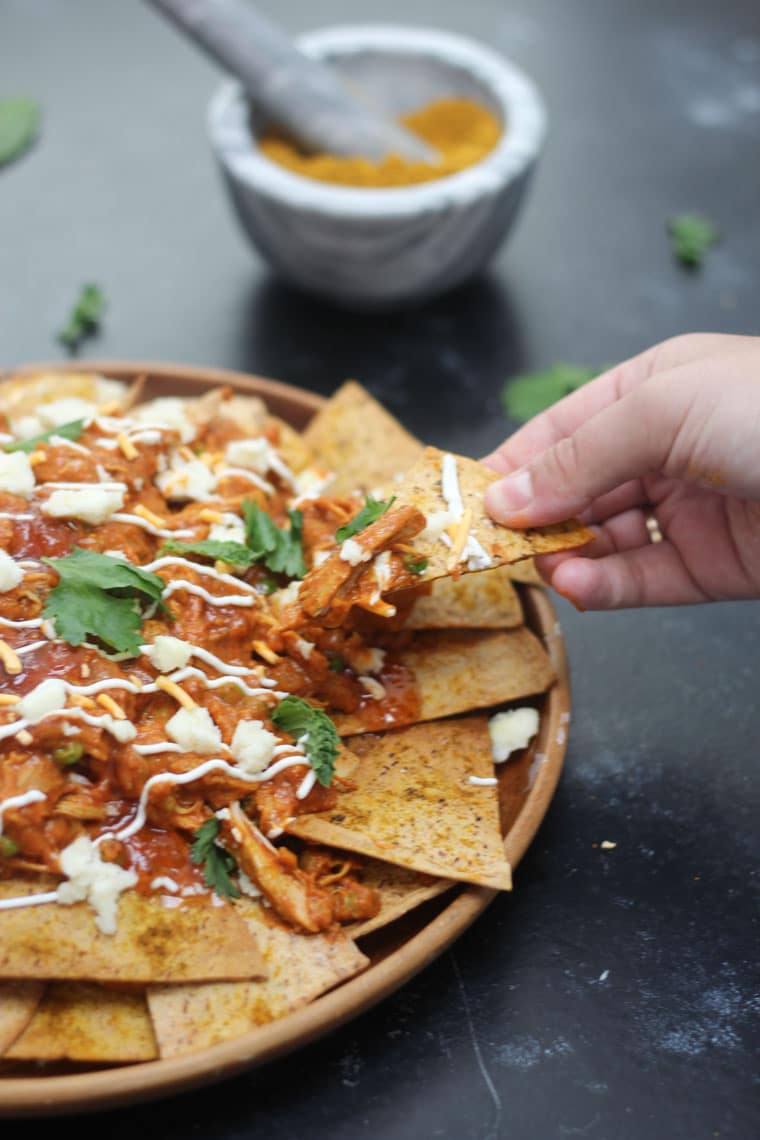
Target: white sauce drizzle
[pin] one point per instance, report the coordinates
(212, 599)
(32, 797)
(158, 531)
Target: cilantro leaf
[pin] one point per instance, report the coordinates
(298, 718)
(370, 512)
(691, 235)
(416, 565)
(218, 864)
(78, 611)
(19, 126)
(100, 595)
(71, 430)
(280, 549)
(525, 396)
(85, 317)
(233, 552)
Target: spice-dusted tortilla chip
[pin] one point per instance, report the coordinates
(413, 804)
(79, 1021)
(192, 942)
(449, 490)
(23, 394)
(299, 968)
(18, 1001)
(362, 443)
(456, 671)
(432, 524)
(400, 891)
(525, 571)
(486, 600)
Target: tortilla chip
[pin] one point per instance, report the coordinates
(400, 891)
(421, 487)
(360, 441)
(299, 969)
(526, 572)
(18, 1001)
(486, 600)
(413, 804)
(78, 1021)
(456, 671)
(196, 941)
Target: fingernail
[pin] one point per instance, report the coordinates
(511, 494)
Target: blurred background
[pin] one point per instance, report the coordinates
(653, 107)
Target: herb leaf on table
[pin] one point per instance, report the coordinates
(19, 126)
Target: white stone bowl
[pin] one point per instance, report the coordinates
(384, 248)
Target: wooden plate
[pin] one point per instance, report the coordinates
(399, 951)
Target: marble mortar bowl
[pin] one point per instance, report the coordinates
(385, 248)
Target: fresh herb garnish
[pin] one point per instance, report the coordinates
(71, 430)
(218, 864)
(335, 663)
(85, 317)
(525, 396)
(298, 718)
(370, 512)
(19, 125)
(235, 553)
(100, 595)
(280, 549)
(691, 235)
(416, 565)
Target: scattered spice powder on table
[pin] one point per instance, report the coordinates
(461, 130)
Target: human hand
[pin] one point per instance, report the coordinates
(672, 434)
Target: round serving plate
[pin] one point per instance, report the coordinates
(396, 952)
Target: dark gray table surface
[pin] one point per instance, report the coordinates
(614, 995)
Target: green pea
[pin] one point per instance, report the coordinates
(70, 753)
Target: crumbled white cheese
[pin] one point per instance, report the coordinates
(90, 878)
(121, 730)
(168, 412)
(373, 688)
(304, 647)
(93, 505)
(511, 730)
(64, 411)
(320, 556)
(286, 597)
(231, 529)
(253, 454)
(47, 697)
(194, 731)
(186, 479)
(353, 553)
(10, 572)
(168, 653)
(16, 474)
(436, 524)
(253, 745)
(365, 660)
(311, 482)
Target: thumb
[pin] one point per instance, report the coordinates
(627, 439)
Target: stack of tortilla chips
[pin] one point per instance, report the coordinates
(421, 807)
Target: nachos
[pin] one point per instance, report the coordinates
(245, 705)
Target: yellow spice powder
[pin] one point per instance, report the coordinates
(461, 130)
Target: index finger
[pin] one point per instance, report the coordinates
(566, 416)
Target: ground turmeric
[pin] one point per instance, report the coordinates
(461, 130)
